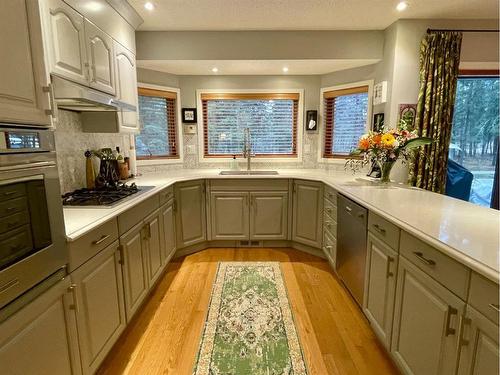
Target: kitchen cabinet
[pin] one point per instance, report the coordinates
(126, 87)
(380, 287)
(135, 273)
(426, 319)
(168, 225)
(66, 42)
(268, 215)
(153, 245)
(190, 225)
(229, 215)
(307, 212)
(100, 312)
(479, 353)
(101, 59)
(42, 337)
(23, 83)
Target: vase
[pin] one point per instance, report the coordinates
(385, 169)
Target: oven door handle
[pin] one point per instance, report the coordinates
(28, 166)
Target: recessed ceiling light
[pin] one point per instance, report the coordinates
(215, 70)
(285, 69)
(149, 5)
(402, 6)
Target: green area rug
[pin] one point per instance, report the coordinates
(249, 327)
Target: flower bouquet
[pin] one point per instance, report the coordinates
(385, 147)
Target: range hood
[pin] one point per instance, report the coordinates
(75, 97)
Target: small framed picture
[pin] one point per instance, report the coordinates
(378, 122)
(408, 112)
(189, 115)
(311, 121)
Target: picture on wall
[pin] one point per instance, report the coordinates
(189, 115)
(408, 112)
(378, 122)
(311, 120)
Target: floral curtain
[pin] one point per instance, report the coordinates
(439, 60)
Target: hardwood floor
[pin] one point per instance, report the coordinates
(163, 337)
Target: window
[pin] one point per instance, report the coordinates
(474, 138)
(271, 117)
(345, 114)
(158, 118)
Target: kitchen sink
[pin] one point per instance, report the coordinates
(248, 173)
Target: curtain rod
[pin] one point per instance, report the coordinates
(465, 31)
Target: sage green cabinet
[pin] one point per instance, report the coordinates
(42, 337)
(229, 215)
(268, 215)
(479, 354)
(380, 287)
(100, 311)
(426, 320)
(168, 232)
(307, 212)
(191, 225)
(153, 246)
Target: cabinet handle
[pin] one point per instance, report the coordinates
(50, 91)
(389, 261)
(420, 257)
(9, 193)
(495, 307)
(348, 209)
(379, 229)
(103, 238)
(465, 322)
(451, 311)
(72, 290)
(122, 259)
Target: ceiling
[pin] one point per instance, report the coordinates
(251, 67)
(301, 14)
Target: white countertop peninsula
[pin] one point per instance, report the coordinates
(465, 232)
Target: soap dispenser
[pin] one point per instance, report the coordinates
(234, 163)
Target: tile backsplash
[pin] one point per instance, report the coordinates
(72, 142)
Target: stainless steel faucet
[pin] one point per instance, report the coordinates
(247, 148)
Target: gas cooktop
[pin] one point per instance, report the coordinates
(102, 197)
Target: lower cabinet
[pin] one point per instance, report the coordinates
(426, 320)
(168, 232)
(380, 287)
(191, 213)
(479, 354)
(229, 215)
(307, 212)
(42, 338)
(269, 215)
(100, 310)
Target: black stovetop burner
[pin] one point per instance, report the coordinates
(104, 196)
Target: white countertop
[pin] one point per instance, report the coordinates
(466, 232)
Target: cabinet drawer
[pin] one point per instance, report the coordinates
(330, 246)
(12, 206)
(166, 194)
(330, 226)
(330, 194)
(249, 184)
(330, 209)
(386, 231)
(92, 243)
(12, 191)
(483, 296)
(137, 213)
(13, 221)
(450, 273)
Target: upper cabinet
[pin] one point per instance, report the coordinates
(24, 94)
(126, 86)
(100, 58)
(66, 42)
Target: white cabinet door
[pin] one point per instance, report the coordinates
(380, 287)
(307, 225)
(100, 57)
(41, 338)
(191, 227)
(229, 215)
(480, 354)
(22, 67)
(135, 273)
(168, 224)
(268, 215)
(65, 34)
(154, 246)
(101, 311)
(426, 320)
(126, 87)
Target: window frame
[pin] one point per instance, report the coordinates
(340, 159)
(251, 93)
(158, 160)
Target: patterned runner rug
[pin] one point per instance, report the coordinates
(249, 327)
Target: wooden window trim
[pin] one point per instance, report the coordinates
(251, 96)
(476, 73)
(172, 124)
(329, 126)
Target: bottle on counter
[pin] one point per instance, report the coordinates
(234, 164)
(89, 170)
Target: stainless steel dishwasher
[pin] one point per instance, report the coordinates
(351, 246)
